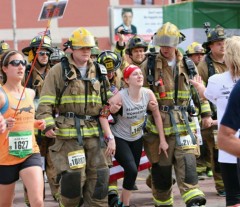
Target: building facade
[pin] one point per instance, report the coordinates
(91, 14)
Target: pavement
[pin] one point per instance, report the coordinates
(141, 197)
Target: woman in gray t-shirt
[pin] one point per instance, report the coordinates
(125, 137)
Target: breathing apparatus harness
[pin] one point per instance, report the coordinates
(101, 73)
(188, 63)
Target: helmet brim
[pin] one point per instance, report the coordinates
(26, 50)
(206, 44)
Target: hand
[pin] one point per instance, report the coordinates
(163, 146)
(207, 122)
(120, 36)
(3, 124)
(114, 108)
(111, 147)
(198, 84)
(153, 105)
(51, 133)
(40, 124)
(10, 122)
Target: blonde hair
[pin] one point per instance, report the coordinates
(232, 55)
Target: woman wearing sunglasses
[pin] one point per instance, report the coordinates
(19, 153)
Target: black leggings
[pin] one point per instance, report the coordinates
(128, 155)
(230, 179)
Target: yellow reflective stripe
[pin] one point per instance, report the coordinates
(170, 95)
(167, 202)
(113, 187)
(205, 107)
(87, 132)
(61, 205)
(191, 194)
(36, 132)
(170, 130)
(49, 121)
(184, 94)
(47, 99)
(81, 99)
(201, 169)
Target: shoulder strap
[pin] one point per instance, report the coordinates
(27, 71)
(101, 73)
(151, 70)
(211, 69)
(176, 84)
(66, 73)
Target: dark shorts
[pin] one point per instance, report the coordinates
(10, 173)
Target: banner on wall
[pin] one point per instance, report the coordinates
(143, 21)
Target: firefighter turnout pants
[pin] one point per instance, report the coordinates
(184, 162)
(208, 135)
(83, 172)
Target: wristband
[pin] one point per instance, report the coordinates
(110, 137)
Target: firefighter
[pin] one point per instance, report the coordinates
(195, 52)
(56, 56)
(135, 49)
(213, 63)
(168, 76)
(42, 66)
(112, 61)
(74, 88)
(35, 82)
(4, 47)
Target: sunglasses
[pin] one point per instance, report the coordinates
(16, 63)
(42, 53)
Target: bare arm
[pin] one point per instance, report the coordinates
(228, 141)
(111, 145)
(115, 103)
(158, 121)
(2, 124)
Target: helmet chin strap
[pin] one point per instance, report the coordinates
(41, 65)
(137, 63)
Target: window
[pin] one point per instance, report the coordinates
(144, 2)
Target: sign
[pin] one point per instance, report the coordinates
(52, 9)
(143, 21)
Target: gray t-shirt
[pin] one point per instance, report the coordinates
(129, 125)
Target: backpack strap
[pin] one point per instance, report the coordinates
(66, 73)
(30, 81)
(151, 70)
(211, 69)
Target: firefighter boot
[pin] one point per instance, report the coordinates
(196, 202)
(113, 198)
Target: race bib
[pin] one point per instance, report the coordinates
(20, 143)
(186, 141)
(136, 128)
(76, 159)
